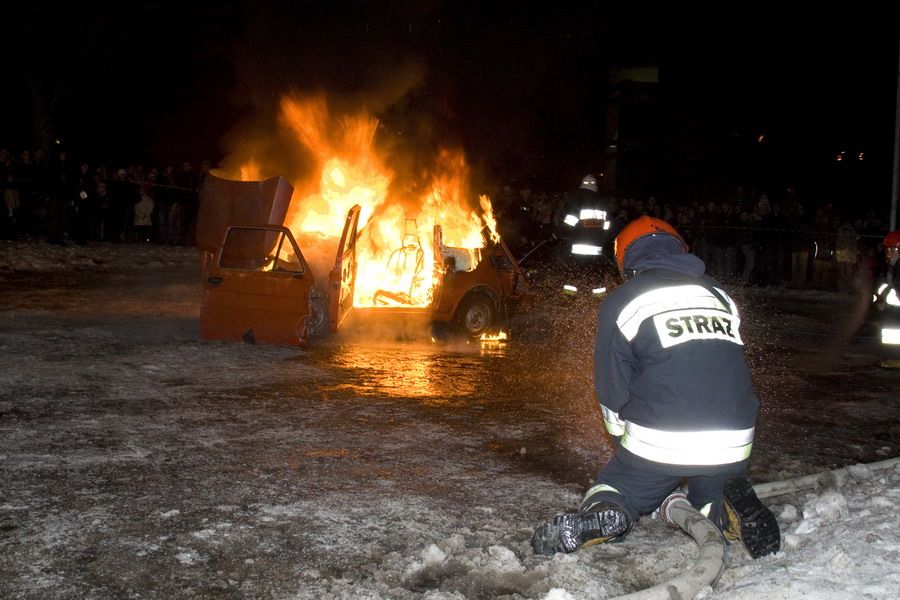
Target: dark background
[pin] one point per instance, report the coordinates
(522, 89)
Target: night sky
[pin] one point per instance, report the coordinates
(522, 90)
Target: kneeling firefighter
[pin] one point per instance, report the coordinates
(675, 392)
(887, 302)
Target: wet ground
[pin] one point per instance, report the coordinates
(139, 461)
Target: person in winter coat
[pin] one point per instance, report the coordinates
(676, 395)
(143, 216)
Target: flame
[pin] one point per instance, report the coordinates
(397, 263)
(499, 337)
(250, 171)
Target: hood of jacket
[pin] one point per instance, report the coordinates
(661, 252)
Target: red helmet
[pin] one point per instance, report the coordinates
(892, 240)
(642, 227)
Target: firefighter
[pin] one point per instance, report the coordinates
(585, 232)
(675, 393)
(887, 302)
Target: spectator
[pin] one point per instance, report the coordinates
(61, 195)
(12, 204)
(84, 209)
(846, 256)
(143, 217)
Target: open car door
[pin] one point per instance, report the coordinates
(342, 277)
(439, 266)
(258, 288)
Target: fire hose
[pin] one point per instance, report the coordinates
(711, 562)
(709, 565)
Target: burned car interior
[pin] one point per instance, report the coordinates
(258, 285)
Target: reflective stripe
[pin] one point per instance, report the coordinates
(680, 297)
(614, 425)
(600, 487)
(587, 249)
(890, 335)
(571, 220)
(570, 289)
(606, 225)
(706, 508)
(592, 213)
(892, 299)
(688, 447)
(598, 291)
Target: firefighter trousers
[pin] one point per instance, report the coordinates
(639, 485)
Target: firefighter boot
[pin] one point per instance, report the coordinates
(603, 522)
(744, 517)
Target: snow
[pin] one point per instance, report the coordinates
(139, 461)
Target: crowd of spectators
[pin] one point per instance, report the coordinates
(62, 200)
(747, 238)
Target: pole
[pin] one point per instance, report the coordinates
(895, 186)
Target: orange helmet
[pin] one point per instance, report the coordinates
(892, 240)
(639, 228)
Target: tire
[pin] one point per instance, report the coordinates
(476, 316)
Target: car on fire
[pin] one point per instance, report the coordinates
(259, 287)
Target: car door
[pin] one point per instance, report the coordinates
(342, 278)
(258, 288)
(439, 267)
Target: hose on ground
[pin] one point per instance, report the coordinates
(778, 488)
(709, 565)
(711, 562)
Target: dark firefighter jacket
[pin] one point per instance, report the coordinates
(670, 370)
(887, 301)
(584, 220)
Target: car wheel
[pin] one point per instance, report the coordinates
(476, 316)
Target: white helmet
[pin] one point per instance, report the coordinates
(589, 182)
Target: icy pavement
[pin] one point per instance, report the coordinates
(138, 461)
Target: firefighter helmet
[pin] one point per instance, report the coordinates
(892, 239)
(589, 182)
(640, 228)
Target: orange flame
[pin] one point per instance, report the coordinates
(396, 246)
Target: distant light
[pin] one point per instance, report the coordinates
(861, 156)
(760, 139)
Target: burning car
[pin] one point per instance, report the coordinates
(267, 282)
